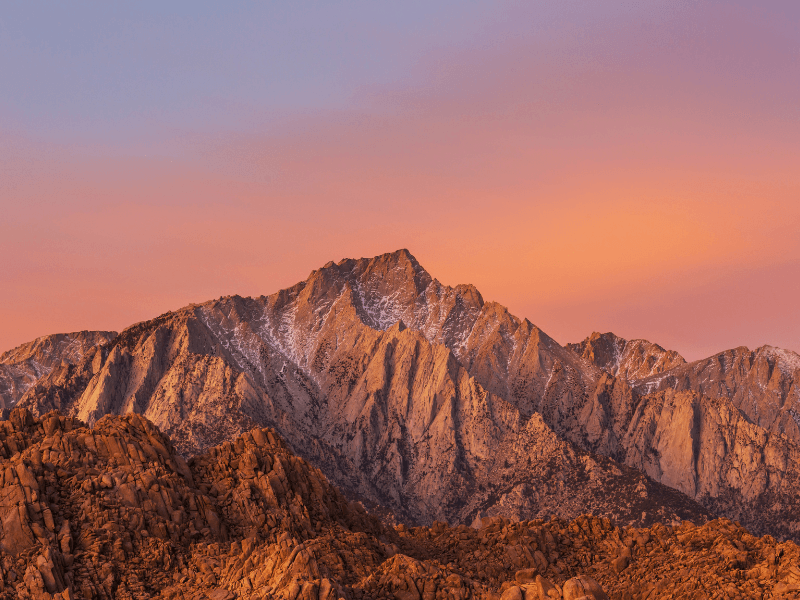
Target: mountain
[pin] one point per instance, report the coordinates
(427, 400)
(764, 384)
(113, 511)
(721, 429)
(631, 360)
(21, 367)
(389, 416)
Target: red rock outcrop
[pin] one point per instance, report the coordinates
(114, 512)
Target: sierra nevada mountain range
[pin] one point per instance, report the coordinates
(21, 367)
(429, 401)
(762, 383)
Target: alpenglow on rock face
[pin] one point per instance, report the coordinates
(631, 360)
(435, 404)
(112, 511)
(21, 367)
(764, 383)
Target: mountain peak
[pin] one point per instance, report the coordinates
(402, 254)
(470, 411)
(630, 359)
(789, 360)
(22, 366)
(399, 258)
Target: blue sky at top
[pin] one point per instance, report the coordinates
(100, 70)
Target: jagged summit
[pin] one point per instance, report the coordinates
(629, 359)
(431, 402)
(22, 366)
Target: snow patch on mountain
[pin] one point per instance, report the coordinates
(787, 361)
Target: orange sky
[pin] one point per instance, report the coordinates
(621, 178)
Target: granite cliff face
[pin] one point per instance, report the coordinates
(429, 401)
(724, 430)
(21, 367)
(720, 429)
(112, 511)
(387, 415)
(764, 384)
(631, 360)
(704, 447)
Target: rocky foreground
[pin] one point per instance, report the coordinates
(114, 512)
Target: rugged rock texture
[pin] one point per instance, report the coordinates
(114, 512)
(707, 449)
(764, 384)
(724, 430)
(631, 360)
(21, 367)
(403, 426)
(429, 401)
(389, 416)
(704, 447)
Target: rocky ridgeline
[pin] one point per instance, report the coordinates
(631, 360)
(437, 405)
(763, 383)
(114, 512)
(23, 366)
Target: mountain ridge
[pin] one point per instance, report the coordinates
(761, 383)
(22, 366)
(377, 372)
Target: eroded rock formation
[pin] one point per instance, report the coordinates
(631, 360)
(389, 416)
(23, 366)
(114, 512)
(435, 404)
(764, 384)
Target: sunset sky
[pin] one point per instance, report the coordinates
(593, 165)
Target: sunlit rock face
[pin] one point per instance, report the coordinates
(631, 360)
(761, 383)
(23, 366)
(113, 511)
(432, 403)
